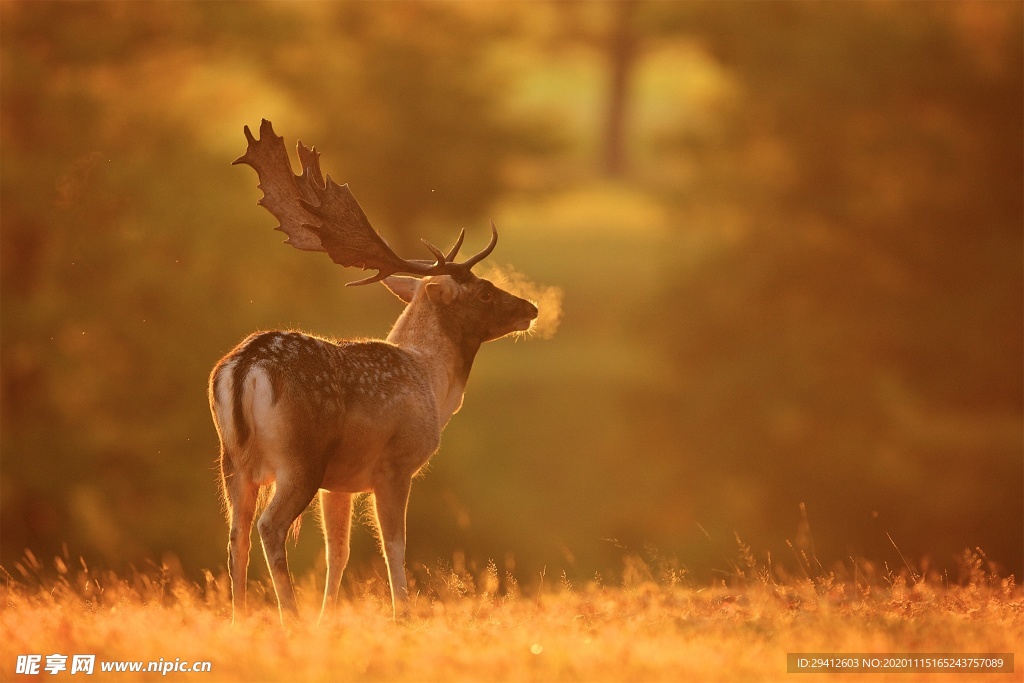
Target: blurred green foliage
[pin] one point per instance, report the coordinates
(801, 284)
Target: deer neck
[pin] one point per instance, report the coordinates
(446, 352)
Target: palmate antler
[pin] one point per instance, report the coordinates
(319, 215)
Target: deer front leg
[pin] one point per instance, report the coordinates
(336, 520)
(390, 502)
(290, 499)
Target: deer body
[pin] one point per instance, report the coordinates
(317, 417)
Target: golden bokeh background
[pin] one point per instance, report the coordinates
(788, 236)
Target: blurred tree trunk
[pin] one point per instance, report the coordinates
(622, 51)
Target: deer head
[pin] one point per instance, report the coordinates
(471, 308)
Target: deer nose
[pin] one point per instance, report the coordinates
(533, 310)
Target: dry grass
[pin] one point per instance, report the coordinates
(653, 626)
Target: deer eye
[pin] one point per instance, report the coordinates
(485, 295)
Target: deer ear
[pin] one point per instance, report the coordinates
(404, 288)
(442, 292)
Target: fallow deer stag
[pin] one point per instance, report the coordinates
(312, 415)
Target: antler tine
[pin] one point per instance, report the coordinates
(450, 256)
(441, 258)
(380, 275)
(473, 260)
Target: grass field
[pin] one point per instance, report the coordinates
(653, 625)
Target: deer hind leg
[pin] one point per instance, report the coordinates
(391, 501)
(240, 496)
(336, 520)
(290, 499)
